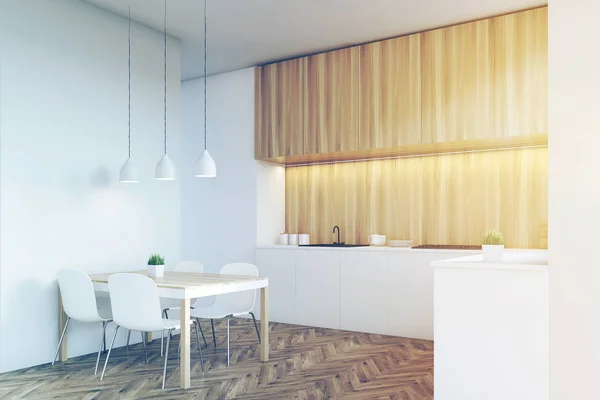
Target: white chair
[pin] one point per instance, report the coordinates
(136, 306)
(170, 304)
(79, 303)
(232, 304)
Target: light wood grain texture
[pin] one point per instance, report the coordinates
(185, 281)
(544, 235)
(264, 324)
(279, 109)
(457, 83)
(390, 93)
(62, 320)
(306, 363)
(184, 358)
(480, 80)
(520, 43)
(447, 199)
(462, 146)
(332, 101)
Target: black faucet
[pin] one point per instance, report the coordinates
(338, 229)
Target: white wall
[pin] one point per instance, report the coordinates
(220, 216)
(271, 203)
(574, 198)
(63, 90)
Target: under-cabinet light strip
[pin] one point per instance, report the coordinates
(414, 156)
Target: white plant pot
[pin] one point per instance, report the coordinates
(156, 271)
(493, 253)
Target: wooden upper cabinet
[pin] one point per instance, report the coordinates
(458, 83)
(521, 72)
(332, 102)
(279, 109)
(390, 93)
(486, 79)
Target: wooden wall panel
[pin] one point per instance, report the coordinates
(447, 199)
(390, 93)
(457, 83)
(332, 101)
(521, 72)
(279, 109)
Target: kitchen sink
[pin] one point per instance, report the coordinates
(333, 245)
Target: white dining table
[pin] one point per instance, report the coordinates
(185, 286)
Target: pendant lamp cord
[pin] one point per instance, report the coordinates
(205, 1)
(129, 156)
(165, 77)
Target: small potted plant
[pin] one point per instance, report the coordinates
(156, 266)
(493, 246)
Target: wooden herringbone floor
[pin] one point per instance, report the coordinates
(306, 363)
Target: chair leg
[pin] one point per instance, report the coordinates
(128, 337)
(112, 343)
(162, 339)
(196, 324)
(255, 326)
(145, 346)
(102, 340)
(212, 324)
(165, 311)
(228, 318)
(61, 339)
(201, 331)
(166, 360)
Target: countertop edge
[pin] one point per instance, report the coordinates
(475, 262)
(367, 248)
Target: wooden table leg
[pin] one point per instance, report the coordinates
(264, 324)
(149, 337)
(62, 320)
(184, 360)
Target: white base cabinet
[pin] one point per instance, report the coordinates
(318, 289)
(371, 290)
(280, 267)
(365, 301)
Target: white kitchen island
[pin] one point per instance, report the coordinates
(491, 327)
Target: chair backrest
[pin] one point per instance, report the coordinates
(190, 266)
(135, 302)
(78, 295)
(186, 266)
(240, 302)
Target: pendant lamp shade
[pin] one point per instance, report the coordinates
(205, 166)
(165, 169)
(128, 173)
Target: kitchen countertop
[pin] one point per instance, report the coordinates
(524, 260)
(369, 248)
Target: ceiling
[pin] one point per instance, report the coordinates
(244, 33)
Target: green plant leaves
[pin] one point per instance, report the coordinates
(156, 259)
(493, 237)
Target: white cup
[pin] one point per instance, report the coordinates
(284, 238)
(293, 238)
(377, 240)
(303, 239)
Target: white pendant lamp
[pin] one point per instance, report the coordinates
(165, 170)
(128, 173)
(205, 166)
